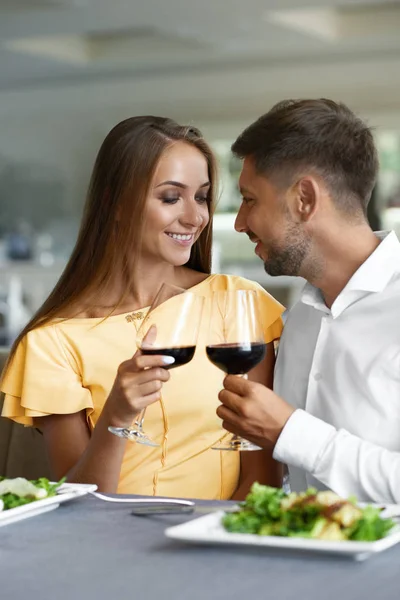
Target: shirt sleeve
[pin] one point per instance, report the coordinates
(41, 380)
(343, 462)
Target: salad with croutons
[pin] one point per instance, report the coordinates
(318, 515)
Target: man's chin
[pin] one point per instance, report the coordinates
(270, 270)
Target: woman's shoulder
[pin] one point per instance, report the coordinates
(43, 345)
(39, 340)
(191, 280)
(227, 282)
(42, 376)
(35, 347)
(270, 309)
(39, 334)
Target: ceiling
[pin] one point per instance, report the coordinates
(212, 60)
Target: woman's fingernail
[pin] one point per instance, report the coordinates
(168, 360)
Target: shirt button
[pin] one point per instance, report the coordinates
(317, 376)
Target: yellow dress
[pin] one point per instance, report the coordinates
(70, 365)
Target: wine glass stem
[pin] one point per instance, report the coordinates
(140, 419)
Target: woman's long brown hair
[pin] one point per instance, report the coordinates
(118, 190)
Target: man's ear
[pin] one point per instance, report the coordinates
(305, 198)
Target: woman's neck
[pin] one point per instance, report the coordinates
(141, 290)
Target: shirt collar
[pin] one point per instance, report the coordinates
(313, 296)
(376, 272)
(372, 276)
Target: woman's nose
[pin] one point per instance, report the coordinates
(192, 215)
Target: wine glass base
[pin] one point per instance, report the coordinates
(133, 435)
(235, 445)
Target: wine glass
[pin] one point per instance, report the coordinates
(170, 328)
(235, 344)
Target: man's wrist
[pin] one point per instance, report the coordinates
(287, 412)
(303, 441)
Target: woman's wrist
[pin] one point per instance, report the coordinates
(113, 418)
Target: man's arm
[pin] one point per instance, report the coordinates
(341, 461)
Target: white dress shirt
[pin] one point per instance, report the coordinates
(340, 368)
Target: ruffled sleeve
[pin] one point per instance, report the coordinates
(271, 315)
(271, 310)
(42, 380)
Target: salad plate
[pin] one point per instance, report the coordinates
(64, 493)
(209, 530)
(310, 522)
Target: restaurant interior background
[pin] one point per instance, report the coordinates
(71, 69)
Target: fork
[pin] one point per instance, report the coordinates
(145, 501)
(159, 506)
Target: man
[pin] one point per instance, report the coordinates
(308, 172)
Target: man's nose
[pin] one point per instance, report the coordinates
(241, 221)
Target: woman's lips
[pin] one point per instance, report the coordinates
(184, 240)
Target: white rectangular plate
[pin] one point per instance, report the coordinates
(68, 491)
(209, 530)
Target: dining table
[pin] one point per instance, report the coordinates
(89, 549)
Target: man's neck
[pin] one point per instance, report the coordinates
(342, 255)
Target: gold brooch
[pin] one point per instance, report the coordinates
(134, 316)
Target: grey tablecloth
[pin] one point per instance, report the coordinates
(88, 549)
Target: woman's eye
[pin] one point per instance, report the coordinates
(170, 199)
(201, 199)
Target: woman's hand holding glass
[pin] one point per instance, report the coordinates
(137, 385)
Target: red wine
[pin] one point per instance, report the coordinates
(181, 354)
(236, 359)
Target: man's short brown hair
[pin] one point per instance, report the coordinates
(323, 136)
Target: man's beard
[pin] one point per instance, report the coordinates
(288, 258)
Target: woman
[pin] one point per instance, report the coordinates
(71, 372)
